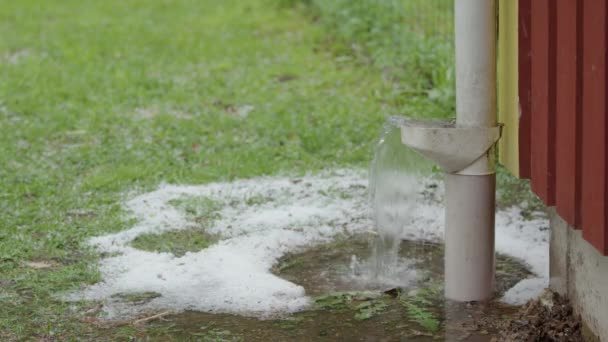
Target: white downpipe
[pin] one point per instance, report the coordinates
(465, 151)
(470, 193)
(475, 27)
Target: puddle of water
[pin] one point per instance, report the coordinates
(328, 268)
(346, 308)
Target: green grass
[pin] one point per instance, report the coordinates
(202, 211)
(98, 98)
(410, 42)
(177, 243)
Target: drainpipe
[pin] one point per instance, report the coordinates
(470, 193)
(465, 152)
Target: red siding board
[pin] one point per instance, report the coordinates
(563, 94)
(543, 88)
(594, 125)
(567, 111)
(525, 94)
(579, 110)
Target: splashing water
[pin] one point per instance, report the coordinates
(396, 180)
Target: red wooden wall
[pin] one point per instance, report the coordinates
(563, 93)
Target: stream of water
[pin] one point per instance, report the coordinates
(396, 177)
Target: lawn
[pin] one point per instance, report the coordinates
(100, 100)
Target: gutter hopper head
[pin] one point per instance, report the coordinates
(452, 148)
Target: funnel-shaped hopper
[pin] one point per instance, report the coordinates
(452, 148)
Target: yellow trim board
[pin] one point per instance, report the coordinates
(507, 92)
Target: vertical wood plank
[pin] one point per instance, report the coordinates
(579, 110)
(593, 197)
(542, 124)
(567, 126)
(524, 85)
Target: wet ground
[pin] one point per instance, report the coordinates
(344, 308)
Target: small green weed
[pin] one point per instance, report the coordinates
(422, 316)
(334, 301)
(417, 305)
(365, 304)
(369, 309)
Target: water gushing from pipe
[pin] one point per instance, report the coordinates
(395, 188)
